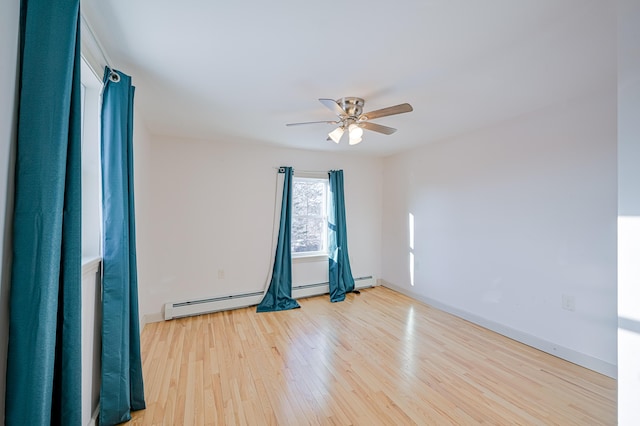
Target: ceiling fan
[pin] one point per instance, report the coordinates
(352, 121)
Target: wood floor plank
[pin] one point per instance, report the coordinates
(376, 358)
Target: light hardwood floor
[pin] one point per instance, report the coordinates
(379, 358)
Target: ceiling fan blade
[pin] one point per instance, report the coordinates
(392, 110)
(312, 122)
(377, 127)
(333, 106)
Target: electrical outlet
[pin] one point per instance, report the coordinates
(221, 274)
(568, 302)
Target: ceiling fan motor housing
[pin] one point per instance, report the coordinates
(351, 105)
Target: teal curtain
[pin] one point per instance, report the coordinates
(340, 277)
(121, 389)
(278, 296)
(43, 382)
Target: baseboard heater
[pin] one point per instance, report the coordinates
(235, 301)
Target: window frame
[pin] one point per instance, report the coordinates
(320, 254)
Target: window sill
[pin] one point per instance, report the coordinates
(300, 258)
(90, 264)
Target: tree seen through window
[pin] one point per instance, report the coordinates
(309, 221)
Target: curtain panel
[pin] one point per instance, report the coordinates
(121, 389)
(340, 277)
(278, 295)
(43, 382)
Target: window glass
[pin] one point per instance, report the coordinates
(91, 175)
(309, 221)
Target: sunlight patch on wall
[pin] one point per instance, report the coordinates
(628, 267)
(412, 260)
(412, 263)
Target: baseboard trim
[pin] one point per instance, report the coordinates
(551, 348)
(229, 302)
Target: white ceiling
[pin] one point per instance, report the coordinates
(239, 70)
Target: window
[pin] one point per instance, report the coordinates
(91, 190)
(309, 221)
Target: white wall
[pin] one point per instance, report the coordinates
(9, 20)
(213, 209)
(629, 212)
(510, 219)
(144, 212)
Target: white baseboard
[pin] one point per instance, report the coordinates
(235, 301)
(555, 349)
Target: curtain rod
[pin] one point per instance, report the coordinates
(113, 75)
(303, 171)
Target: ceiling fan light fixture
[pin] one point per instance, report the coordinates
(352, 119)
(355, 134)
(336, 134)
